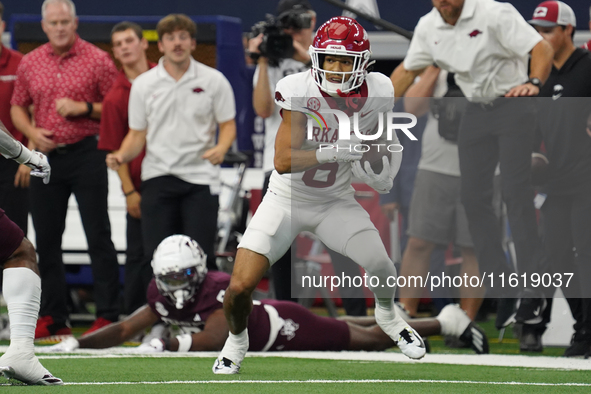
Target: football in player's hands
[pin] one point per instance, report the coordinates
(375, 157)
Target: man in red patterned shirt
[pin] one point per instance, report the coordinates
(66, 80)
(129, 47)
(14, 177)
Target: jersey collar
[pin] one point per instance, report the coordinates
(467, 12)
(332, 103)
(189, 74)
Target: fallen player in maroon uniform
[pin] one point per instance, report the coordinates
(183, 293)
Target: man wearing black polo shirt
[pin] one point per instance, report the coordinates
(566, 212)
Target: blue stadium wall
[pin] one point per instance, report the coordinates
(404, 13)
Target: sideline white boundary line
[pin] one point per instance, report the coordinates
(557, 363)
(349, 381)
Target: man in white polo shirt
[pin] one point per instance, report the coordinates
(174, 109)
(486, 44)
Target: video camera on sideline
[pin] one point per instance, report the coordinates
(277, 44)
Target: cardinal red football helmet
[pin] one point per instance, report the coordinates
(340, 36)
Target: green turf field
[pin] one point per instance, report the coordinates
(141, 375)
(87, 373)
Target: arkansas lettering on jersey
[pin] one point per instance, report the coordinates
(299, 92)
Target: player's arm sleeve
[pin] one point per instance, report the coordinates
(137, 111)
(512, 31)
(419, 54)
(283, 95)
(224, 105)
(20, 95)
(9, 147)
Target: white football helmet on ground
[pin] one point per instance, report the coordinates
(179, 266)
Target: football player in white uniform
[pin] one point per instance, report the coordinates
(310, 190)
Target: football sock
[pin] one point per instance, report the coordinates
(21, 288)
(236, 347)
(387, 318)
(453, 320)
(366, 249)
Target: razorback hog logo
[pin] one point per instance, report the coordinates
(197, 90)
(279, 97)
(475, 33)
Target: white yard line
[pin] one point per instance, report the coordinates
(348, 381)
(559, 363)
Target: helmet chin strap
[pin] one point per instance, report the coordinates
(180, 296)
(332, 87)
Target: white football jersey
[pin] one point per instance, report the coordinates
(299, 92)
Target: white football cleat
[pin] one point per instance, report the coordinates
(225, 366)
(408, 340)
(27, 369)
(411, 344)
(232, 354)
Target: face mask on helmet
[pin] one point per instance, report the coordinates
(179, 266)
(340, 36)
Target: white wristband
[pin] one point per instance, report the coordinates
(185, 342)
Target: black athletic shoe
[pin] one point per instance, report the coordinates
(580, 344)
(427, 345)
(531, 307)
(475, 337)
(530, 341)
(455, 343)
(505, 312)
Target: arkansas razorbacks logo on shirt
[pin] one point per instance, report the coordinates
(474, 33)
(279, 97)
(198, 90)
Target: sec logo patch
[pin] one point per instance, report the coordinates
(314, 103)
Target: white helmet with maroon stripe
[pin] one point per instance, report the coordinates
(179, 266)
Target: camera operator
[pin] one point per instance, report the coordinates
(295, 18)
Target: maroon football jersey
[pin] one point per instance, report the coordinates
(208, 298)
(302, 330)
